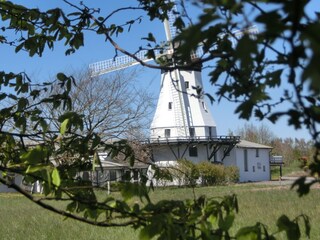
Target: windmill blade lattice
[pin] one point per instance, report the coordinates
(116, 63)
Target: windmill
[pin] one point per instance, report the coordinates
(182, 117)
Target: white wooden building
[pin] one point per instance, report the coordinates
(112, 170)
(252, 159)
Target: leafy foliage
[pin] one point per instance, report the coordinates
(212, 174)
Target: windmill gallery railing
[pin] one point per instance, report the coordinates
(199, 139)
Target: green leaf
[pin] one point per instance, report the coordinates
(150, 38)
(245, 48)
(306, 225)
(303, 188)
(70, 119)
(56, 177)
(294, 118)
(71, 207)
(36, 168)
(291, 228)
(63, 126)
(35, 155)
(158, 226)
(245, 109)
(311, 100)
(22, 103)
(129, 190)
(150, 54)
(147, 233)
(247, 233)
(274, 78)
(226, 223)
(21, 122)
(3, 96)
(212, 219)
(77, 40)
(96, 161)
(61, 76)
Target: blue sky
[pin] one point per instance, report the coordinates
(96, 49)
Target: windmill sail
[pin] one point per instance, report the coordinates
(116, 63)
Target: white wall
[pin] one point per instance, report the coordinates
(186, 110)
(229, 160)
(258, 167)
(164, 153)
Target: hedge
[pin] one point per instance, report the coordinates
(204, 173)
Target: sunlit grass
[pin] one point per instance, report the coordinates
(21, 219)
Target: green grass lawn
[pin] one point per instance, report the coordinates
(22, 219)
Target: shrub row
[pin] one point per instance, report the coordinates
(204, 173)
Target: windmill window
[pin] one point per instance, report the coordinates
(253, 169)
(167, 133)
(210, 132)
(264, 168)
(257, 152)
(186, 84)
(193, 151)
(245, 160)
(170, 105)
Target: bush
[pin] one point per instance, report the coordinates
(232, 174)
(211, 174)
(186, 172)
(115, 186)
(217, 174)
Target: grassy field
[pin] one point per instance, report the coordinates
(21, 219)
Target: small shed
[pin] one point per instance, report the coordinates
(253, 161)
(114, 170)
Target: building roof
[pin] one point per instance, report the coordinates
(113, 163)
(248, 144)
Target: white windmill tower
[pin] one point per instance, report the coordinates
(183, 126)
(181, 111)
